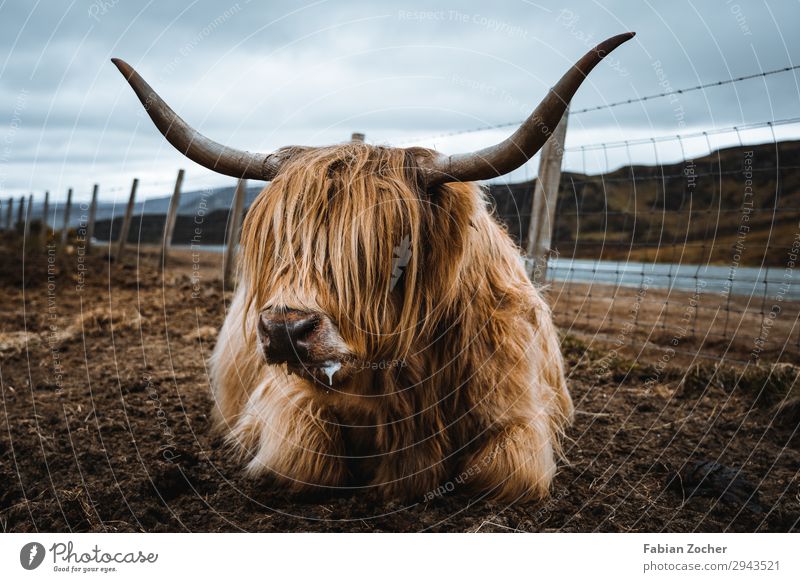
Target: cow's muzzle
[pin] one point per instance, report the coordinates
(290, 335)
(307, 342)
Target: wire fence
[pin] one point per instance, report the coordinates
(642, 99)
(691, 259)
(694, 259)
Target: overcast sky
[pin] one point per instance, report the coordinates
(262, 74)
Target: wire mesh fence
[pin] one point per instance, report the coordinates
(694, 258)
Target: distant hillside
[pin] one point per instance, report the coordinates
(690, 211)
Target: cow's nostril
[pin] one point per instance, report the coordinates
(303, 328)
(286, 334)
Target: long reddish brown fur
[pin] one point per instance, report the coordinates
(461, 384)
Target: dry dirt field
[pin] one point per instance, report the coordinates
(105, 425)
(697, 326)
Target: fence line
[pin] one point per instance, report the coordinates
(86, 229)
(663, 94)
(26, 226)
(92, 217)
(45, 214)
(718, 310)
(234, 230)
(172, 215)
(655, 257)
(67, 210)
(20, 213)
(126, 222)
(670, 303)
(677, 137)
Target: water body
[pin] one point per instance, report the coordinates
(207, 248)
(746, 281)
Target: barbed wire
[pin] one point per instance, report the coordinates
(682, 136)
(641, 177)
(682, 91)
(658, 212)
(604, 145)
(685, 90)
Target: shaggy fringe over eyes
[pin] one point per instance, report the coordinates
(335, 223)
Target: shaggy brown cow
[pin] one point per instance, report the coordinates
(384, 333)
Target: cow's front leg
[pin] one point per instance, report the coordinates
(514, 463)
(410, 471)
(291, 438)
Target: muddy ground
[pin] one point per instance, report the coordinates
(98, 381)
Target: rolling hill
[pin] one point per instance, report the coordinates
(740, 203)
(737, 204)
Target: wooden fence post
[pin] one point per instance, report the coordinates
(234, 228)
(21, 214)
(67, 210)
(45, 212)
(9, 213)
(92, 217)
(172, 215)
(26, 229)
(543, 207)
(126, 221)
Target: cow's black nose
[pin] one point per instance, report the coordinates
(287, 334)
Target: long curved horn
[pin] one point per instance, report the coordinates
(193, 144)
(510, 154)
